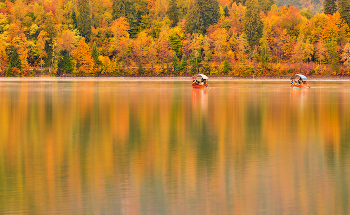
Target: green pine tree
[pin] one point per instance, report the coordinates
(74, 20)
(175, 43)
(141, 69)
(13, 63)
(329, 6)
(84, 19)
(9, 71)
(264, 50)
(195, 59)
(227, 11)
(133, 23)
(65, 64)
(175, 65)
(173, 13)
(253, 24)
(133, 12)
(226, 67)
(344, 10)
(202, 14)
(266, 5)
(95, 54)
(210, 12)
(238, 1)
(193, 20)
(51, 30)
(139, 10)
(332, 46)
(295, 3)
(119, 8)
(183, 64)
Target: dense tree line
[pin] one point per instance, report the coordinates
(313, 5)
(168, 37)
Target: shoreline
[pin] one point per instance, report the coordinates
(180, 78)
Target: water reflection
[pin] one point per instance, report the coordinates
(107, 147)
(200, 101)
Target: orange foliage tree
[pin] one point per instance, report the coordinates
(84, 60)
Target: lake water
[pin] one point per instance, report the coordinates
(156, 146)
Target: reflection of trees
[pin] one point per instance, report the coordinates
(204, 139)
(98, 146)
(200, 129)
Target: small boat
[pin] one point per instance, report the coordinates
(199, 81)
(298, 81)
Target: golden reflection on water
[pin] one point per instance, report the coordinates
(133, 147)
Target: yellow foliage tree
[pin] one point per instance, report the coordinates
(119, 42)
(346, 56)
(66, 42)
(108, 67)
(220, 42)
(17, 39)
(321, 52)
(287, 44)
(120, 29)
(308, 51)
(140, 48)
(42, 38)
(222, 13)
(3, 59)
(23, 56)
(84, 60)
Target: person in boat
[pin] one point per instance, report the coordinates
(202, 82)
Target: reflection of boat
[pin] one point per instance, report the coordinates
(200, 100)
(298, 81)
(299, 99)
(199, 81)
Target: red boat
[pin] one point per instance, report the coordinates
(200, 81)
(298, 81)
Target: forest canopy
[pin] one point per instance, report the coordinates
(170, 37)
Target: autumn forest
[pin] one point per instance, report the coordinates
(174, 38)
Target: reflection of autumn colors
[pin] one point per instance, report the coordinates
(151, 148)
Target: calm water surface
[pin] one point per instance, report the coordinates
(134, 146)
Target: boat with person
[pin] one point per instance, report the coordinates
(298, 81)
(200, 81)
